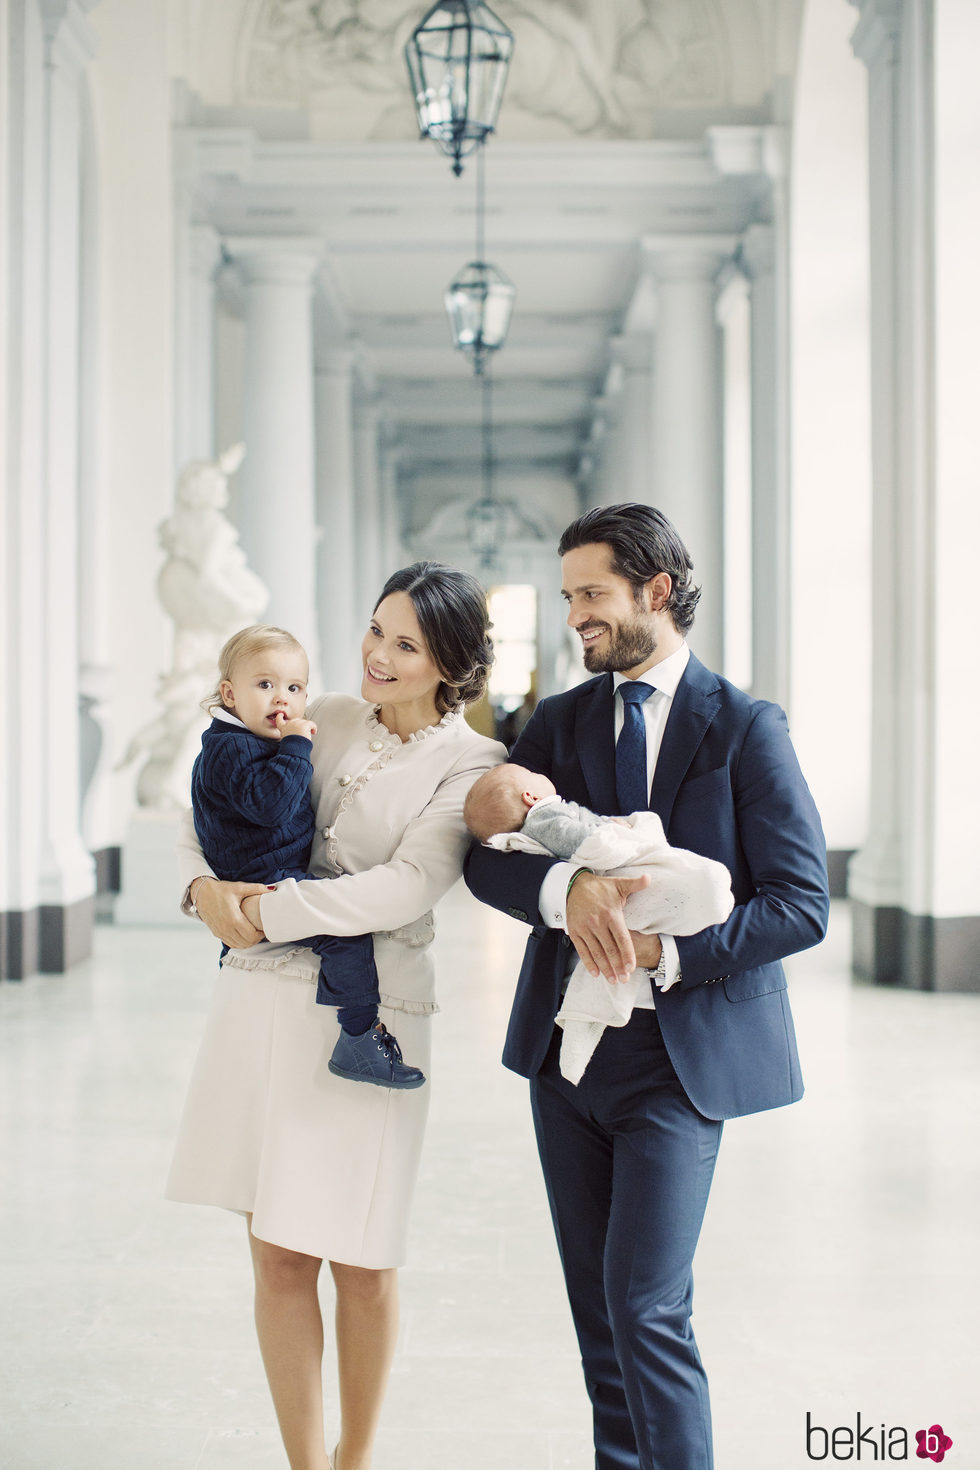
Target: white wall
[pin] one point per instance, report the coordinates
(131, 100)
(830, 702)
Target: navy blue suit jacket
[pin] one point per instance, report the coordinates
(728, 785)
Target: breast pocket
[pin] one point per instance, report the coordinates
(710, 787)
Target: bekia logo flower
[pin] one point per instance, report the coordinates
(932, 1443)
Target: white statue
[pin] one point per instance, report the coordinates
(208, 590)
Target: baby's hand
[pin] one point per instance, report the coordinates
(295, 727)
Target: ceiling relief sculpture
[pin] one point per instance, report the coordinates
(599, 69)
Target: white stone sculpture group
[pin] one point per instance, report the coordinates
(208, 590)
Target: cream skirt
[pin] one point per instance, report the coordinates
(323, 1165)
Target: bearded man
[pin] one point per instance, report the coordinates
(628, 1154)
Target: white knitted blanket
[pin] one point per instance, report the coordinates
(688, 893)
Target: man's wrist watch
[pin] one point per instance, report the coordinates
(659, 975)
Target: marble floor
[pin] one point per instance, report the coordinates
(837, 1274)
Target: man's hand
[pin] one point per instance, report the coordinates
(298, 726)
(648, 949)
(596, 927)
(220, 906)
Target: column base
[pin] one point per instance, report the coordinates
(66, 934)
(915, 951)
(20, 944)
(838, 859)
(149, 870)
(48, 940)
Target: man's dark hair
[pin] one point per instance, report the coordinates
(642, 542)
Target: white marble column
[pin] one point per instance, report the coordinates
(393, 552)
(595, 465)
(633, 352)
(337, 575)
(198, 255)
(276, 495)
(916, 899)
(686, 451)
(67, 879)
(22, 651)
(369, 531)
(771, 551)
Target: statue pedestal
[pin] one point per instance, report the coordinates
(149, 870)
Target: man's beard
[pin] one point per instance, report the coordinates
(630, 644)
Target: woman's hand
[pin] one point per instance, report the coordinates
(220, 906)
(250, 908)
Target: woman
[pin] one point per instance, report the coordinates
(323, 1168)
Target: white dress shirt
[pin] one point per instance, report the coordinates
(664, 677)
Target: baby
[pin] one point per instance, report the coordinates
(250, 789)
(515, 809)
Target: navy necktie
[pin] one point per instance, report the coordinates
(632, 790)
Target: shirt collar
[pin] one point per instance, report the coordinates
(664, 676)
(228, 717)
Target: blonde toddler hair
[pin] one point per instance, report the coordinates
(242, 645)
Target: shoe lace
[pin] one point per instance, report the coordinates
(389, 1044)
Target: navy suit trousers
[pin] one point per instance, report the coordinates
(628, 1162)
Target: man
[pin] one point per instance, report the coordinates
(629, 1153)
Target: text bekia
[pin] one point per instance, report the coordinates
(872, 1442)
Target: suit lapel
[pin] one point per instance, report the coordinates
(596, 745)
(693, 708)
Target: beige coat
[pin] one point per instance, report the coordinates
(390, 837)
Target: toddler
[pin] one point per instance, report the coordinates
(515, 809)
(255, 822)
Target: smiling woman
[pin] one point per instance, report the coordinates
(322, 1166)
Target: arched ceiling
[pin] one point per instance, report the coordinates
(302, 124)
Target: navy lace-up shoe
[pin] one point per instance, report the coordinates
(374, 1057)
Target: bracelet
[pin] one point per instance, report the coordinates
(201, 878)
(577, 874)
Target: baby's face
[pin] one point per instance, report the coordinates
(267, 687)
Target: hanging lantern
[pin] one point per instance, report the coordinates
(479, 301)
(457, 61)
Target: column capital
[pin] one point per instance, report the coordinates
(367, 410)
(633, 351)
(750, 149)
(757, 251)
(71, 40)
(289, 260)
(604, 408)
(876, 37)
(391, 439)
(335, 362)
(206, 251)
(687, 257)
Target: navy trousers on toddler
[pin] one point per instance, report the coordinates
(365, 1051)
